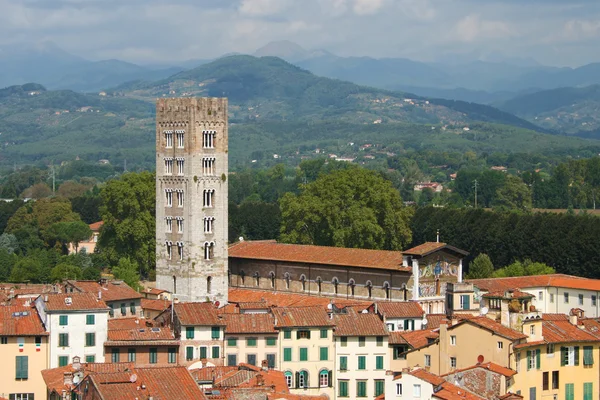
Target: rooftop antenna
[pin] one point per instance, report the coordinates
(475, 184)
(125, 165)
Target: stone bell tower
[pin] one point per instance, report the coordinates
(191, 198)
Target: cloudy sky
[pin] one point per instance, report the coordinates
(554, 32)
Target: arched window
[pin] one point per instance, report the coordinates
(369, 286)
(351, 285)
(174, 285)
(287, 279)
(272, 277)
(404, 292)
(209, 250)
(209, 284)
(257, 278)
(243, 276)
(335, 282)
(289, 378)
(319, 282)
(324, 378)
(386, 288)
(302, 379)
(303, 281)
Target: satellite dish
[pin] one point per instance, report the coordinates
(133, 378)
(480, 359)
(241, 239)
(484, 310)
(217, 304)
(329, 306)
(424, 321)
(76, 379)
(365, 311)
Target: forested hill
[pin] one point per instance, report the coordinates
(269, 88)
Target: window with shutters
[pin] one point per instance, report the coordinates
(216, 352)
(452, 362)
(172, 355)
(323, 353)
(361, 388)
(90, 358)
(63, 340)
(569, 391)
(115, 356)
(566, 296)
(63, 361)
(131, 354)
(545, 381)
(215, 332)
(569, 355)
(22, 367)
(153, 355)
(344, 341)
(362, 362)
(555, 382)
(379, 341)
(287, 334)
(251, 359)
(427, 360)
(342, 388)
(271, 341)
(287, 354)
(588, 356)
(533, 359)
(271, 361)
(323, 333)
(379, 362)
(324, 378)
(361, 341)
(232, 360)
(303, 354)
(588, 390)
(123, 309)
(550, 350)
(203, 352)
(343, 363)
(398, 389)
(594, 300)
(303, 334)
(232, 342)
(251, 342)
(580, 299)
(3, 340)
(189, 353)
(21, 396)
(379, 387)
(90, 339)
(63, 320)
(90, 319)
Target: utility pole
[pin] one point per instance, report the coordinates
(475, 184)
(53, 181)
(125, 165)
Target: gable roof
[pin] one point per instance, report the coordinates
(427, 248)
(358, 324)
(95, 227)
(290, 317)
(249, 323)
(490, 366)
(427, 376)
(400, 309)
(523, 282)
(110, 291)
(495, 327)
(198, 314)
(271, 250)
(58, 302)
(54, 377)
(285, 299)
(155, 305)
(20, 321)
(415, 339)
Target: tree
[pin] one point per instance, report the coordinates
(525, 268)
(347, 208)
(65, 271)
(481, 267)
(71, 232)
(513, 195)
(37, 191)
(128, 212)
(127, 271)
(72, 189)
(9, 242)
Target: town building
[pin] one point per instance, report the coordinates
(77, 324)
(191, 198)
(251, 338)
(123, 301)
(24, 349)
(418, 383)
(400, 316)
(88, 246)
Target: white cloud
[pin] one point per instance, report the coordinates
(262, 7)
(367, 7)
(473, 28)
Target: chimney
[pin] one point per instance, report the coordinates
(68, 378)
(77, 363)
(504, 313)
(443, 345)
(100, 294)
(260, 380)
(265, 365)
(46, 298)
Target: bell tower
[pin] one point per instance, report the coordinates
(191, 198)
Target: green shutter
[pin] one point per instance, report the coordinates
(343, 363)
(576, 355)
(189, 353)
(215, 352)
(63, 360)
(303, 354)
(287, 334)
(271, 341)
(361, 389)
(90, 359)
(343, 386)
(563, 356)
(588, 389)
(406, 326)
(569, 391)
(90, 339)
(172, 355)
(215, 332)
(537, 359)
(22, 367)
(189, 332)
(153, 355)
(323, 353)
(90, 319)
(203, 352)
(63, 320)
(362, 361)
(287, 354)
(232, 342)
(588, 355)
(528, 360)
(379, 387)
(379, 362)
(323, 333)
(251, 342)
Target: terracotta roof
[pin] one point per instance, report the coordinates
(288, 396)
(253, 305)
(400, 309)
(415, 339)
(493, 326)
(551, 280)
(57, 302)
(140, 334)
(20, 321)
(434, 320)
(199, 314)
(95, 227)
(111, 291)
(212, 373)
(155, 305)
(165, 383)
(530, 344)
(453, 392)
(554, 317)
(301, 317)
(490, 366)
(129, 323)
(54, 378)
(429, 247)
(591, 325)
(509, 294)
(249, 323)
(229, 309)
(284, 299)
(154, 291)
(427, 376)
(271, 250)
(565, 332)
(358, 324)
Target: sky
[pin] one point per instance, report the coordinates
(553, 32)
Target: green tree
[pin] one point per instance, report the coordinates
(9, 242)
(127, 271)
(347, 208)
(71, 232)
(65, 271)
(480, 267)
(525, 268)
(7, 260)
(513, 195)
(128, 212)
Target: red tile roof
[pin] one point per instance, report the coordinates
(140, 334)
(58, 302)
(301, 317)
(20, 321)
(249, 323)
(551, 280)
(95, 227)
(453, 392)
(198, 314)
(284, 299)
(271, 250)
(434, 320)
(154, 291)
(490, 366)
(164, 383)
(415, 339)
(554, 317)
(591, 325)
(111, 291)
(429, 247)
(358, 324)
(129, 323)
(54, 378)
(253, 305)
(493, 326)
(400, 309)
(565, 332)
(155, 305)
(509, 294)
(427, 376)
